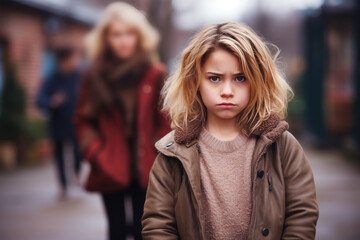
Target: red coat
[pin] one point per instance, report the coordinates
(108, 152)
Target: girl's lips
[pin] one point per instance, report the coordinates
(226, 105)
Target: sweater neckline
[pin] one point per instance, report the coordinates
(220, 145)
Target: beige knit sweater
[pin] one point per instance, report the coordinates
(225, 168)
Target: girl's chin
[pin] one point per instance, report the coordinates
(226, 116)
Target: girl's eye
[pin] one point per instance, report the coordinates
(240, 79)
(214, 79)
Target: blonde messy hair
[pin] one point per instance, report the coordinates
(269, 91)
(95, 40)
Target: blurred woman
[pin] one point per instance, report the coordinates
(117, 117)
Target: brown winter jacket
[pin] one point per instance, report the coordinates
(283, 191)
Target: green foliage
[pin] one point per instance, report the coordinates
(296, 107)
(12, 115)
(36, 129)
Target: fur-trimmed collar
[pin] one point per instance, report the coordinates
(272, 128)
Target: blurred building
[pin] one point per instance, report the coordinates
(31, 29)
(331, 81)
(29, 32)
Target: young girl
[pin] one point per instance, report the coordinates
(117, 117)
(230, 169)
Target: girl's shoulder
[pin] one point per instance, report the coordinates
(291, 151)
(288, 140)
(163, 144)
(169, 148)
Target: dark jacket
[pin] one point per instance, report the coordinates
(60, 118)
(283, 192)
(104, 145)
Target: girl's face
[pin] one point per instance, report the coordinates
(122, 39)
(223, 87)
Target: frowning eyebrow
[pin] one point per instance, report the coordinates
(220, 74)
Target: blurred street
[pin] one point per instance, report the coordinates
(30, 208)
(338, 195)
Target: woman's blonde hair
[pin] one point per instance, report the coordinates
(95, 42)
(269, 91)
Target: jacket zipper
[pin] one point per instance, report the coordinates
(268, 178)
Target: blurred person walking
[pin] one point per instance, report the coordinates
(57, 97)
(117, 117)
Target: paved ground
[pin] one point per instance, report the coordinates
(30, 208)
(338, 194)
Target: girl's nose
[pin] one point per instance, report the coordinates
(227, 90)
